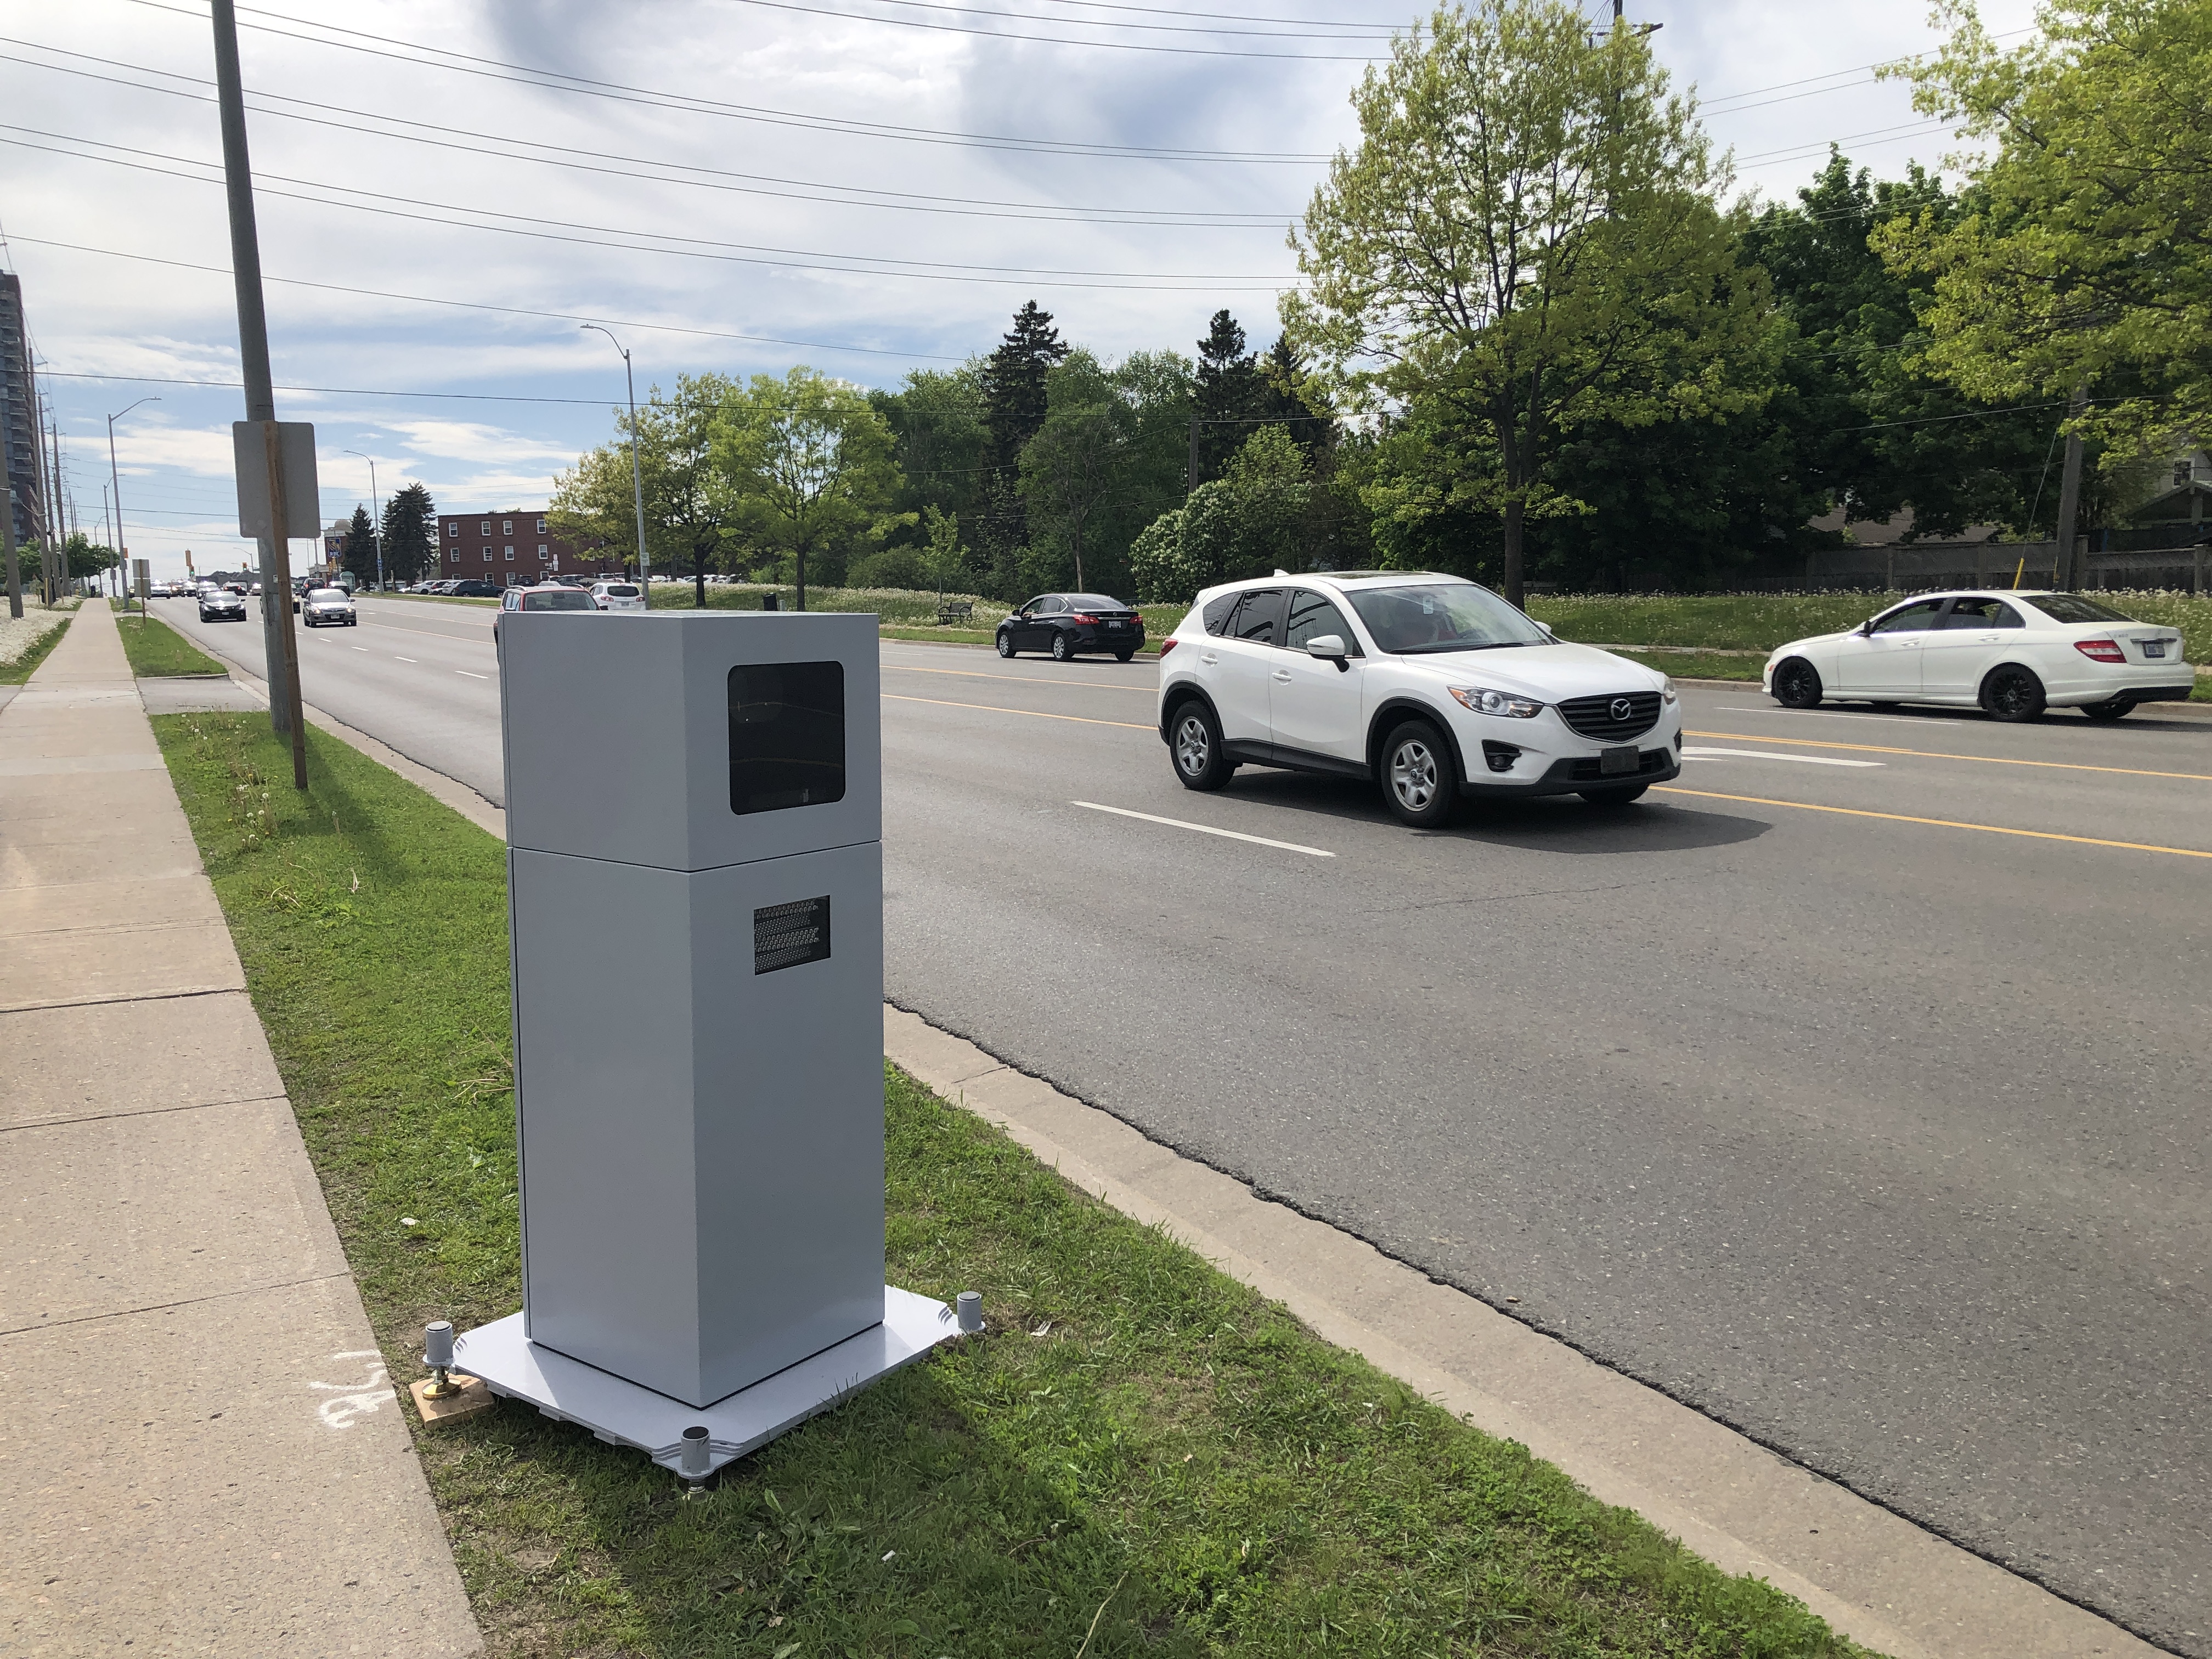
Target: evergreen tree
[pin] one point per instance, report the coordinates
(411, 536)
(1228, 399)
(359, 554)
(1014, 408)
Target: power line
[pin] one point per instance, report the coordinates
(1049, 39)
(508, 310)
(701, 247)
(1346, 31)
(798, 189)
(544, 79)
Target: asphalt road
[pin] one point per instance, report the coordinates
(1852, 1090)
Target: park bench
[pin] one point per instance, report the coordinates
(955, 610)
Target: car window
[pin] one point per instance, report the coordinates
(1460, 617)
(1095, 602)
(567, 599)
(1049, 605)
(326, 595)
(1982, 612)
(620, 591)
(1311, 615)
(1915, 618)
(1215, 614)
(2073, 608)
(1259, 617)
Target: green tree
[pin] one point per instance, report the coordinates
(1012, 381)
(806, 465)
(410, 534)
(1527, 231)
(936, 420)
(84, 557)
(359, 553)
(1228, 393)
(688, 513)
(1072, 467)
(1249, 521)
(2083, 263)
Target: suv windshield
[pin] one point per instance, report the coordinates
(1416, 621)
(563, 599)
(2073, 608)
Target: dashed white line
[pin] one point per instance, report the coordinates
(1206, 830)
(464, 674)
(1768, 754)
(1823, 714)
(403, 660)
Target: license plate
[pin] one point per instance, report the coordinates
(1610, 761)
(1117, 628)
(2154, 647)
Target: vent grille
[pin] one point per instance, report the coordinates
(1612, 718)
(786, 935)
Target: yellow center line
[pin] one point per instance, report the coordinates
(1933, 754)
(1027, 679)
(1940, 824)
(1033, 714)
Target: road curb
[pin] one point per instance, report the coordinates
(1874, 1576)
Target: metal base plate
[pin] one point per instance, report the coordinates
(624, 1413)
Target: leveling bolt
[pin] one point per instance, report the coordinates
(438, 1355)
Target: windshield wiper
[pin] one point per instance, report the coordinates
(1464, 645)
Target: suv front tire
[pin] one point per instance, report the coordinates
(1420, 781)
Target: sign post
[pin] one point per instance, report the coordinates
(277, 503)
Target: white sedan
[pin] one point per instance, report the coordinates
(2009, 654)
(329, 607)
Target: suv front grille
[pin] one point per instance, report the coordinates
(1612, 718)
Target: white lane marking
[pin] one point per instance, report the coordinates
(1818, 714)
(403, 660)
(466, 675)
(1206, 830)
(1768, 754)
(356, 647)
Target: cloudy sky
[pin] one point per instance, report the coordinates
(449, 187)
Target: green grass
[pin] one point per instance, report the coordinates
(1142, 1455)
(156, 649)
(21, 669)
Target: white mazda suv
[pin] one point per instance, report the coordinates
(2011, 653)
(1433, 686)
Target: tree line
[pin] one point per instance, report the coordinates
(1537, 340)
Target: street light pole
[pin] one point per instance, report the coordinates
(636, 471)
(115, 479)
(376, 525)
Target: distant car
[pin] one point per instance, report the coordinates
(547, 596)
(1068, 625)
(2011, 653)
(256, 592)
(220, 605)
(325, 605)
(618, 596)
(474, 590)
(238, 588)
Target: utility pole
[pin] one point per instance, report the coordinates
(15, 575)
(115, 478)
(637, 471)
(2063, 574)
(376, 522)
(50, 462)
(280, 642)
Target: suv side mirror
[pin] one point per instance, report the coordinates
(1330, 646)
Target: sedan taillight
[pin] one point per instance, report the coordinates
(1083, 617)
(2101, 650)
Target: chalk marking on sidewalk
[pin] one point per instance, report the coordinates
(1206, 830)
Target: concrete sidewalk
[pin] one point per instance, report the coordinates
(201, 1451)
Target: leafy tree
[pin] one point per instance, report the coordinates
(410, 534)
(936, 419)
(944, 559)
(84, 557)
(1527, 231)
(1228, 393)
(688, 514)
(806, 465)
(1015, 404)
(1247, 522)
(2083, 261)
(359, 552)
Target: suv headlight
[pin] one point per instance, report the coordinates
(1483, 701)
(1667, 692)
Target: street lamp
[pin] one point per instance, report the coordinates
(636, 471)
(376, 525)
(115, 478)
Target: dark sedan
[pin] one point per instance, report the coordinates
(474, 590)
(220, 605)
(1068, 625)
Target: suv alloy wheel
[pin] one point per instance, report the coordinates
(1418, 779)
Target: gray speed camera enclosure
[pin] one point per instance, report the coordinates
(695, 821)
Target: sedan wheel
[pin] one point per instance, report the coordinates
(1797, 684)
(1418, 776)
(1006, 643)
(2013, 693)
(1194, 740)
(2119, 708)
(1061, 649)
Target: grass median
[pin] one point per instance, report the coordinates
(155, 650)
(1141, 1456)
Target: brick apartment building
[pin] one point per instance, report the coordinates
(515, 544)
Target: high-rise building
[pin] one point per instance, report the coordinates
(19, 416)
